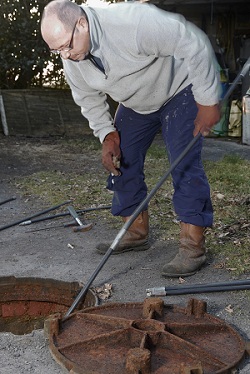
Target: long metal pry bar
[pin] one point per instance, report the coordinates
(140, 208)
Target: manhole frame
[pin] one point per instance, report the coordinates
(25, 302)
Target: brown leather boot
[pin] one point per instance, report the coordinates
(191, 255)
(135, 238)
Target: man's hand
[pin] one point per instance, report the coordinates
(111, 153)
(206, 118)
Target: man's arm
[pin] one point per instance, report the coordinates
(95, 108)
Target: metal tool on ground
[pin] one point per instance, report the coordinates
(81, 211)
(67, 224)
(34, 215)
(82, 225)
(144, 203)
(7, 200)
(70, 224)
(199, 288)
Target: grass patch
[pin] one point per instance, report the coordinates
(88, 142)
(230, 188)
(228, 241)
(55, 187)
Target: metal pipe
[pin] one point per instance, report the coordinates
(128, 223)
(240, 75)
(7, 200)
(64, 225)
(34, 215)
(209, 289)
(199, 288)
(81, 211)
(140, 208)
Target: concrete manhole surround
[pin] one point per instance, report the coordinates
(26, 302)
(145, 338)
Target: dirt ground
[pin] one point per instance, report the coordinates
(64, 255)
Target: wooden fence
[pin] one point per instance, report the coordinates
(40, 113)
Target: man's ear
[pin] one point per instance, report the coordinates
(84, 23)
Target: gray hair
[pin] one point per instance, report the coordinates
(66, 11)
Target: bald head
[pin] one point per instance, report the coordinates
(58, 19)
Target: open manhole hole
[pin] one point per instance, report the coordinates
(26, 302)
(144, 338)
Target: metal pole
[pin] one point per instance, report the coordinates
(34, 215)
(240, 75)
(29, 222)
(127, 224)
(210, 289)
(7, 200)
(199, 288)
(140, 208)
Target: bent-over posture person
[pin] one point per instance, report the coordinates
(161, 70)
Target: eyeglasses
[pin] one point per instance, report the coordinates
(70, 46)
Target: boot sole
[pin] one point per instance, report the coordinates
(140, 248)
(176, 275)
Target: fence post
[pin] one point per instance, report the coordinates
(3, 117)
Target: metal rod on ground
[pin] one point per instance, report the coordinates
(29, 222)
(139, 209)
(34, 215)
(67, 224)
(199, 288)
(209, 289)
(180, 291)
(7, 200)
(127, 224)
(219, 284)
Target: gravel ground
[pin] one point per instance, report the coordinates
(47, 254)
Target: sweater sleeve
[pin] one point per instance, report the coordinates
(171, 35)
(93, 103)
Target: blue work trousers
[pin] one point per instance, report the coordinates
(175, 119)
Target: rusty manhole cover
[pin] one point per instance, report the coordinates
(26, 302)
(143, 338)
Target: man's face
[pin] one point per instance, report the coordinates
(74, 46)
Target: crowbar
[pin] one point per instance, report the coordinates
(140, 208)
(127, 224)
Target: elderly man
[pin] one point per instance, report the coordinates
(160, 69)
